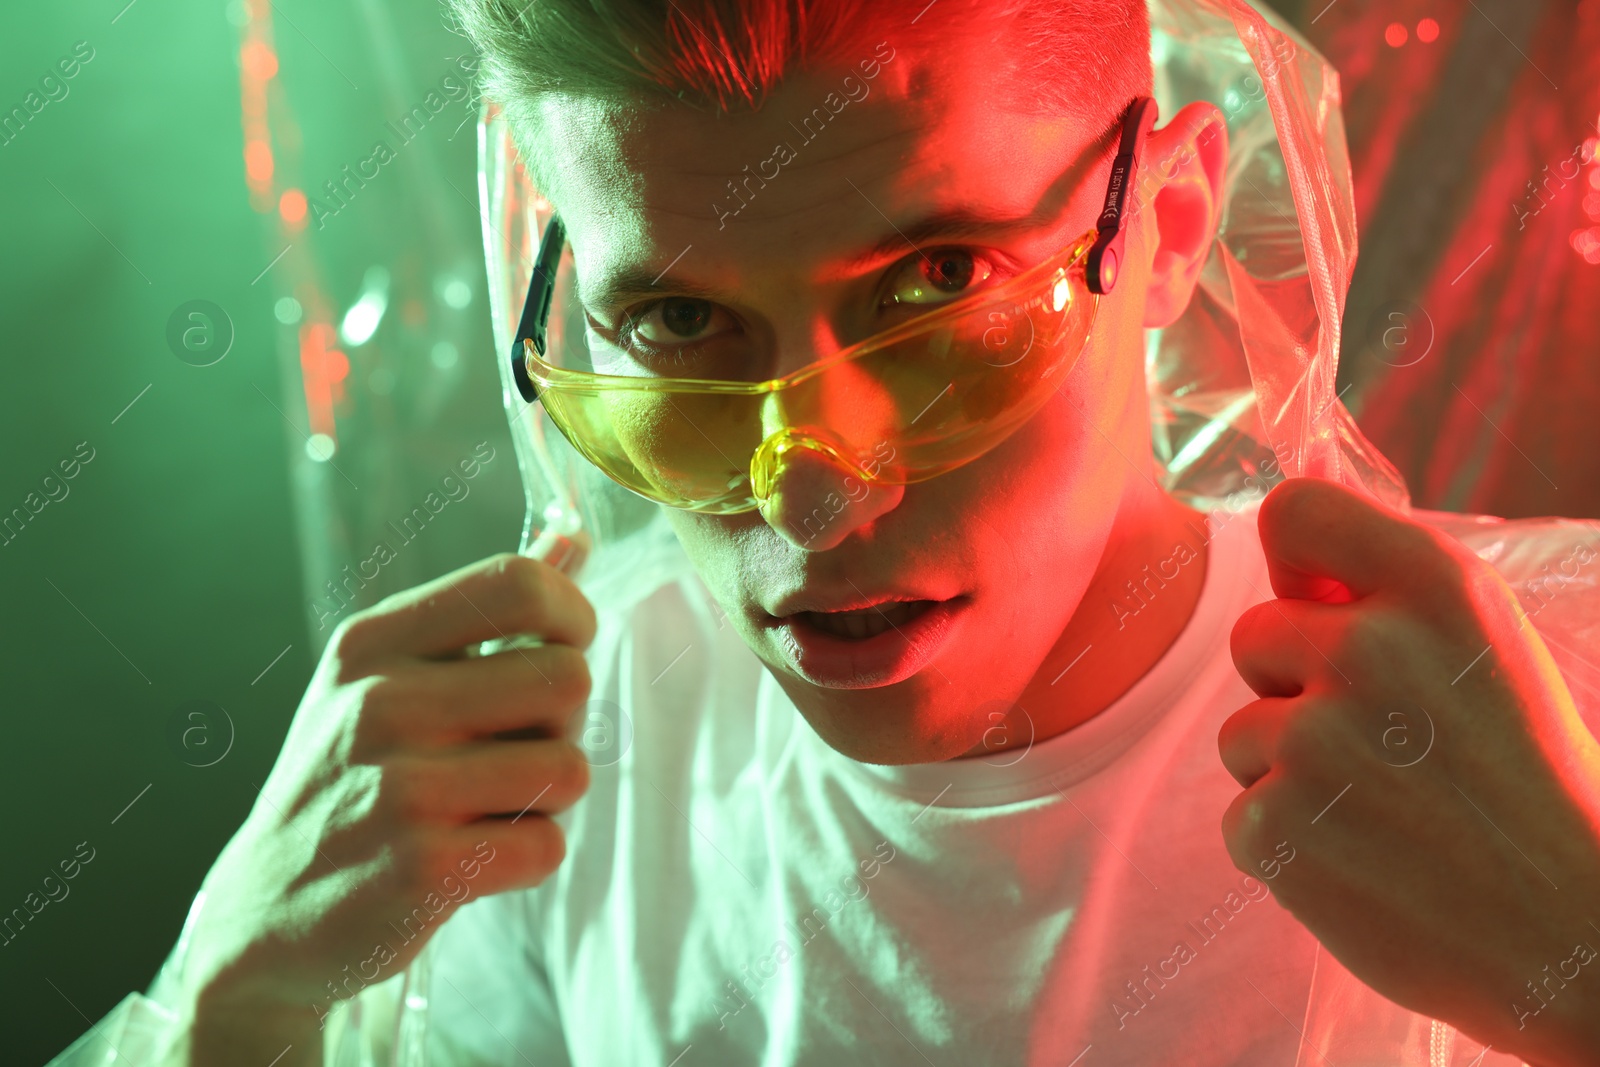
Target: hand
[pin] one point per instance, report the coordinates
(413, 777)
(1414, 743)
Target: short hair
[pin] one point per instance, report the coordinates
(1080, 58)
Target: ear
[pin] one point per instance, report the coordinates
(1183, 168)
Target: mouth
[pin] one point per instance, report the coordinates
(865, 623)
(866, 646)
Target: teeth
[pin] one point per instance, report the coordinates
(860, 625)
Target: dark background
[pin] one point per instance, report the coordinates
(174, 569)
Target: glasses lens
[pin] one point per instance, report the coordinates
(916, 402)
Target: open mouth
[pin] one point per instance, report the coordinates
(879, 644)
(866, 623)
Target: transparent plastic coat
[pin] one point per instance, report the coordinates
(1241, 396)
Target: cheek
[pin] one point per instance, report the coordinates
(714, 546)
(1092, 436)
(1044, 502)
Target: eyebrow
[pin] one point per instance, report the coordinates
(632, 281)
(948, 225)
(951, 224)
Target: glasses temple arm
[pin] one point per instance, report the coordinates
(536, 308)
(1105, 257)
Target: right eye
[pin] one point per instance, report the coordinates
(670, 337)
(673, 320)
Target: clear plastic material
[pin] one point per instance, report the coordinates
(1241, 396)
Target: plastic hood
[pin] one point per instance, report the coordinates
(1241, 387)
(1242, 392)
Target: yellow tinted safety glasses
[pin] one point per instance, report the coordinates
(908, 404)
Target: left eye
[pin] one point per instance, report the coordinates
(937, 277)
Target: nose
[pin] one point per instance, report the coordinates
(814, 502)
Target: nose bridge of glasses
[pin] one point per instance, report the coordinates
(786, 448)
(843, 413)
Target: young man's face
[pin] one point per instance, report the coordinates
(1005, 546)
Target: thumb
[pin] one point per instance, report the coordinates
(1326, 542)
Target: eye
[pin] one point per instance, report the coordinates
(673, 320)
(670, 335)
(937, 276)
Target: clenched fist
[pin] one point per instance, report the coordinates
(1416, 745)
(412, 766)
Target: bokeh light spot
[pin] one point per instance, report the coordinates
(338, 365)
(287, 310)
(320, 447)
(292, 206)
(445, 355)
(258, 161)
(259, 61)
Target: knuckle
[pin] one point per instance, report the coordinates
(1247, 628)
(527, 586)
(1244, 825)
(1366, 640)
(410, 855)
(568, 674)
(570, 772)
(532, 849)
(352, 639)
(1301, 739)
(560, 774)
(1260, 823)
(376, 696)
(547, 847)
(379, 701)
(368, 737)
(403, 790)
(428, 857)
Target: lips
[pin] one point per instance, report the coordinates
(865, 645)
(867, 622)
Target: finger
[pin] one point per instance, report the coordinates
(1325, 541)
(533, 691)
(490, 778)
(1246, 832)
(1248, 739)
(496, 855)
(501, 596)
(1280, 647)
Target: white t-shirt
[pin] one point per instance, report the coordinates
(737, 892)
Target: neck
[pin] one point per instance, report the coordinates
(1140, 599)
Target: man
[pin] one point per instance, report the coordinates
(924, 755)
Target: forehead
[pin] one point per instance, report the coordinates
(835, 161)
